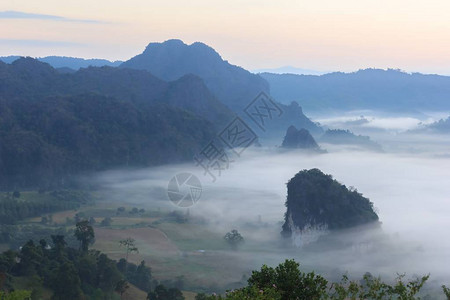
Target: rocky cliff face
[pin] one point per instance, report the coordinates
(299, 139)
(317, 204)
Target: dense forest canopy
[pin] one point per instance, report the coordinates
(55, 125)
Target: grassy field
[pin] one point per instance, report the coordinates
(186, 251)
(173, 250)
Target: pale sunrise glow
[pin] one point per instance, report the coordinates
(320, 35)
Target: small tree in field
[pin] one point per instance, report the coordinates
(106, 222)
(130, 247)
(234, 239)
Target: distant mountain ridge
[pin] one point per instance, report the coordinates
(232, 86)
(54, 123)
(439, 127)
(73, 63)
(387, 90)
(289, 70)
(32, 79)
(172, 59)
(346, 137)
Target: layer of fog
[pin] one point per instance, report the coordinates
(396, 133)
(410, 192)
(369, 121)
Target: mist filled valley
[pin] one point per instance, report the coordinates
(408, 190)
(176, 174)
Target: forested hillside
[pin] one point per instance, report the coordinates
(55, 125)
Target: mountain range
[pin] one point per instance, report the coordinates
(346, 137)
(232, 85)
(68, 63)
(384, 90)
(439, 127)
(54, 126)
(289, 70)
(159, 107)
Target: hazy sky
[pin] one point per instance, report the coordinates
(322, 35)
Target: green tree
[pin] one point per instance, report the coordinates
(234, 239)
(289, 281)
(130, 247)
(106, 222)
(108, 274)
(446, 291)
(142, 277)
(201, 296)
(85, 234)
(374, 288)
(121, 287)
(120, 210)
(66, 283)
(15, 295)
(31, 257)
(87, 268)
(162, 293)
(7, 261)
(286, 282)
(59, 244)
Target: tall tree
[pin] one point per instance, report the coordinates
(59, 244)
(85, 234)
(130, 247)
(142, 277)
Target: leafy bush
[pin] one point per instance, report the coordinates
(287, 282)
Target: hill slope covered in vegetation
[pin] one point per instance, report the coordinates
(55, 125)
(317, 200)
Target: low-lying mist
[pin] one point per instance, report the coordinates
(410, 191)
